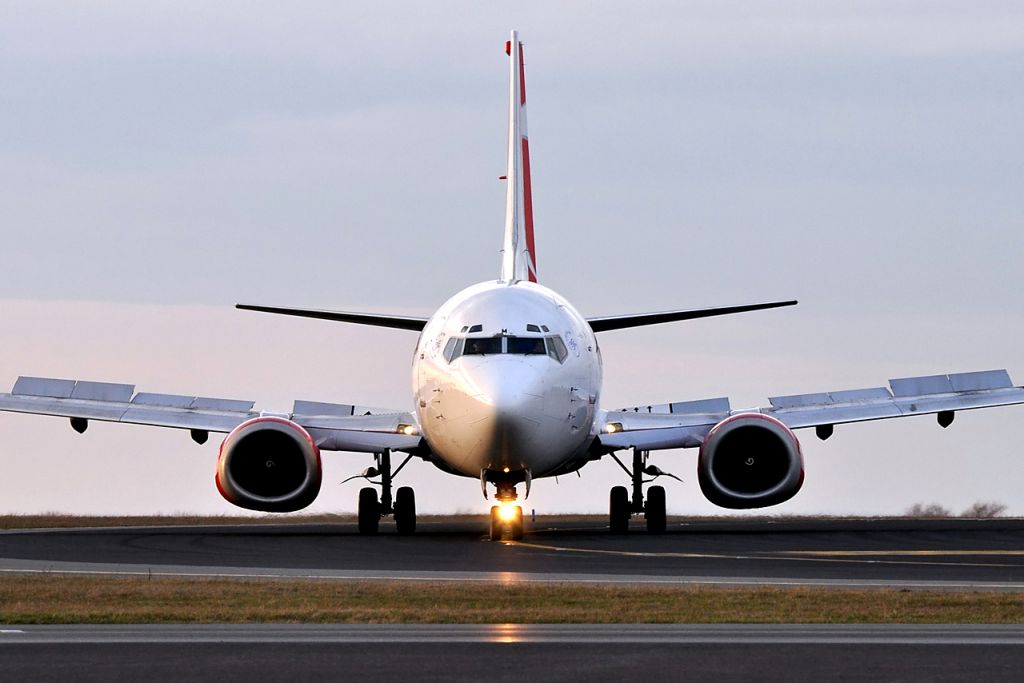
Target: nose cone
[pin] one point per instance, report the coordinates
(505, 390)
(504, 411)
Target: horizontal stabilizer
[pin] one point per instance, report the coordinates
(394, 321)
(618, 322)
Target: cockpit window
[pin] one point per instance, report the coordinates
(476, 328)
(556, 349)
(482, 346)
(551, 345)
(526, 345)
(450, 348)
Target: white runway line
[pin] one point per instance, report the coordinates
(18, 566)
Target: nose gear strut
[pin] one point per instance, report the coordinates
(506, 518)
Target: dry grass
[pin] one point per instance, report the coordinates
(67, 599)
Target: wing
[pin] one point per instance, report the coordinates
(397, 322)
(685, 425)
(334, 427)
(619, 322)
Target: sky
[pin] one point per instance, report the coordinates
(163, 161)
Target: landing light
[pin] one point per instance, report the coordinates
(408, 430)
(507, 512)
(613, 427)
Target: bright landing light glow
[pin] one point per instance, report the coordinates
(507, 512)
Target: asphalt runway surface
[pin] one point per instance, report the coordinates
(508, 652)
(942, 554)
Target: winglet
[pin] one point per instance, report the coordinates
(519, 255)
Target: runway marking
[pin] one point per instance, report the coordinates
(619, 553)
(839, 556)
(922, 553)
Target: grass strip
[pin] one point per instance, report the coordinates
(57, 599)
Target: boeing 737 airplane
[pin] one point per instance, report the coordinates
(507, 389)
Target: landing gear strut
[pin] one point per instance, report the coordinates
(402, 506)
(621, 506)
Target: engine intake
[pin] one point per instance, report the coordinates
(750, 461)
(269, 464)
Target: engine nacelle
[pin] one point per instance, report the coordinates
(750, 461)
(269, 464)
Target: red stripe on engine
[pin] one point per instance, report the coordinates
(531, 266)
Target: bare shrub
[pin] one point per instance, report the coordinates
(928, 510)
(984, 510)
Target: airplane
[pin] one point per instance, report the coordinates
(507, 389)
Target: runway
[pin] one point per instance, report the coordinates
(944, 555)
(509, 652)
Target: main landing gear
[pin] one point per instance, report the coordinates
(371, 509)
(506, 518)
(621, 507)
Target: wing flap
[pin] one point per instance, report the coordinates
(317, 408)
(43, 386)
(686, 424)
(905, 396)
(62, 407)
(111, 402)
(334, 426)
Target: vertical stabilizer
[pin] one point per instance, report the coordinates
(519, 256)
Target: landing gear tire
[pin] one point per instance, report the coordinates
(369, 511)
(511, 529)
(654, 510)
(405, 511)
(618, 510)
(516, 525)
(495, 523)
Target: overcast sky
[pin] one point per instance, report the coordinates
(160, 162)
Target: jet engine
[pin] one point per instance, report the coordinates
(750, 460)
(269, 464)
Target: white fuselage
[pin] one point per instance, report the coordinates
(507, 379)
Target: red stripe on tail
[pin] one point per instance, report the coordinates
(531, 266)
(522, 78)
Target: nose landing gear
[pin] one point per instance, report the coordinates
(506, 522)
(621, 507)
(506, 518)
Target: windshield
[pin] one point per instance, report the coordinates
(526, 345)
(482, 346)
(551, 345)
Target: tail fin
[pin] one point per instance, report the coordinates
(519, 256)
